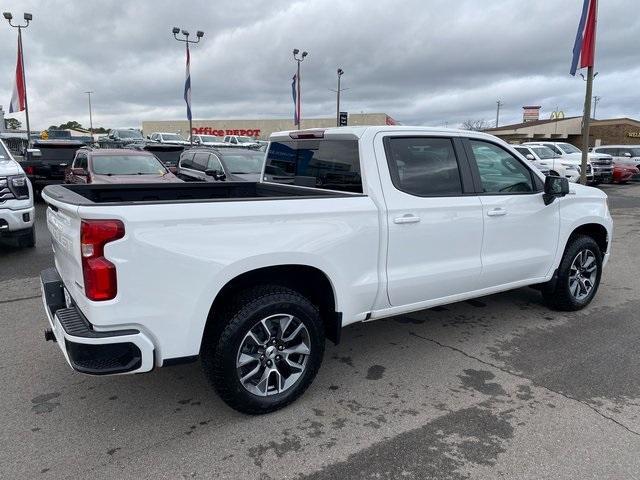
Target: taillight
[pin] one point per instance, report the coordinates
(29, 170)
(100, 281)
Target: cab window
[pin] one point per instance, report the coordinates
(423, 166)
(500, 172)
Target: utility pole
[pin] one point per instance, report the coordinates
(90, 116)
(596, 99)
(340, 72)
(499, 104)
(187, 83)
(28, 17)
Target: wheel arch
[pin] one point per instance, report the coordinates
(308, 280)
(597, 231)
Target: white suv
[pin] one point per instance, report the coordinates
(16, 201)
(542, 156)
(601, 164)
(171, 138)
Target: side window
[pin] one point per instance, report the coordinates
(500, 172)
(214, 163)
(423, 166)
(555, 149)
(226, 138)
(186, 160)
(80, 161)
(200, 161)
(234, 140)
(523, 151)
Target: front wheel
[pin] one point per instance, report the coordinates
(264, 350)
(578, 275)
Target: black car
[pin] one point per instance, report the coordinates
(121, 138)
(229, 164)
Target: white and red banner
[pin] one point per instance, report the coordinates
(18, 97)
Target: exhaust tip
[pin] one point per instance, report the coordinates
(49, 336)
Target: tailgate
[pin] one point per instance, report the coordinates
(63, 223)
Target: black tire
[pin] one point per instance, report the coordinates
(559, 295)
(223, 339)
(29, 239)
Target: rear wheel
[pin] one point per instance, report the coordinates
(264, 350)
(578, 275)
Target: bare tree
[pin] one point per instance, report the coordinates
(476, 125)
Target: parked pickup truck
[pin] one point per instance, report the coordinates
(46, 163)
(252, 277)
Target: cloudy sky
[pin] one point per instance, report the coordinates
(423, 62)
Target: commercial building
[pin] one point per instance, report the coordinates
(612, 131)
(258, 128)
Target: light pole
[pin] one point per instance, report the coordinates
(27, 17)
(298, 105)
(500, 104)
(339, 72)
(187, 82)
(90, 117)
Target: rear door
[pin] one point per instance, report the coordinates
(434, 219)
(520, 231)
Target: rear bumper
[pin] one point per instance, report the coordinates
(85, 349)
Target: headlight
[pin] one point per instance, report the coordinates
(19, 186)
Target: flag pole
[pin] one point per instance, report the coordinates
(586, 118)
(24, 83)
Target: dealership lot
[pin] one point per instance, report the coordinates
(490, 388)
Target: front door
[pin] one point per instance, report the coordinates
(520, 231)
(434, 219)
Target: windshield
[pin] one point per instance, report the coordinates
(543, 152)
(245, 140)
(127, 165)
(172, 136)
(568, 148)
(4, 155)
(240, 163)
(129, 134)
(211, 138)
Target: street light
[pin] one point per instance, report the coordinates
(298, 105)
(90, 116)
(27, 17)
(187, 84)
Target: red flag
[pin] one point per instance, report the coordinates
(587, 55)
(18, 96)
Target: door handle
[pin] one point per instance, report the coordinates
(409, 218)
(497, 212)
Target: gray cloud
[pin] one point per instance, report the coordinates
(422, 62)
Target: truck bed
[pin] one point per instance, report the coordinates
(88, 195)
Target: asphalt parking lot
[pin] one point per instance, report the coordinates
(499, 387)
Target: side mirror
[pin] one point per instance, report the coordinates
(216, 174)
(79, 171)
(554, 187)
(530, 157)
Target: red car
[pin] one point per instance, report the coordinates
(624, 172)
(117, 165)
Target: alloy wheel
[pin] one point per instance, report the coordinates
(273, 355)
(582, 274)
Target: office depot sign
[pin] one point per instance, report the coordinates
(222, 133)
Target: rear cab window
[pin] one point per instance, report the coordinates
(319, 163)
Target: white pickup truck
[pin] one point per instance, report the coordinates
(368, 222)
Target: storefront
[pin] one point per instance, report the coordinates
(614, 131)
(260, 128)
